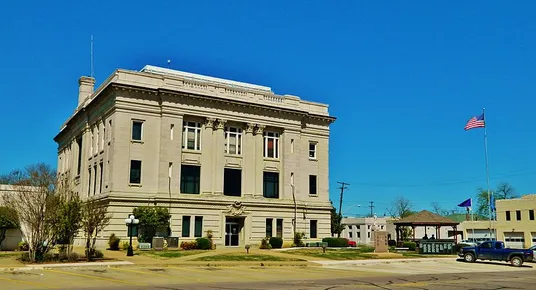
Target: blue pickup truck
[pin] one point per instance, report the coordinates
(495, 251)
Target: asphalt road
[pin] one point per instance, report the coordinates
(470, 281)
(426, 274)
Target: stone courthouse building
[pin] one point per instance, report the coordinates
(225, 156)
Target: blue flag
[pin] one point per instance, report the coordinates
(492, 203)
(465, 203)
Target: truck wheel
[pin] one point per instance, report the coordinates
(469, 257)
(516, 261)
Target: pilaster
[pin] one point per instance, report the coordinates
(207, 150)
(259, 159)
(249, 151)
(219, 159)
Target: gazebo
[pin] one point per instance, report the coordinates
(425, 219)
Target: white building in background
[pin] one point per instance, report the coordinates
(226, 156)
(360, 231)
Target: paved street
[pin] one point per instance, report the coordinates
(438, 274)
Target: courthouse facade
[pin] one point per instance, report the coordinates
(225, 156)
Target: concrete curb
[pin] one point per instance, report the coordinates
(380, 261)
(66, 265)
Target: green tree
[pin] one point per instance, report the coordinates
(95, 218)
(503, 191)
(67, 220)
(152, 219)
(8, 220)
(336, 222)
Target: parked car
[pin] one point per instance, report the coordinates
(496, 251)
(533, 248)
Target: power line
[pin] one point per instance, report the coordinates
(342, 188)
(441, 183)
(371, 208)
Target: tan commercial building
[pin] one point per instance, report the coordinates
(515, 224)
(225, 156)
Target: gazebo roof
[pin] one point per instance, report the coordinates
(425, 218)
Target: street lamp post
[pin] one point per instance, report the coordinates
(131, 222)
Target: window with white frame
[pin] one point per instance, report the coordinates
(271, 144)
(233, 140)
(312, 150)
(191, 135)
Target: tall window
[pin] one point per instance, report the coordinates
(185, 226)
(191, 135)
(137, 127)
(190, 179)
(198, 226)
(312, 150)
(171, 131)
(79, 165)
(232, 182)
(271, 145)
(233, 140)
(507, 215)
(518, 215)
(271, 184)
(279, 228)
(314, 230)
(100, 178)
(269, 229)
(135, 171)
(95, 179)
(103, 137)
(96, 147)
(89, 183)
(312, 185)
(531, 214)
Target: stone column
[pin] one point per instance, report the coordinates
(248, 168)
(219, 158)
(207, 151)
(259, 160)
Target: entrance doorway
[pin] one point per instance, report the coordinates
(233, 231)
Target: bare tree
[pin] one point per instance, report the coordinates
(503, 191)
(95, 218)
(68, 217)
(33, 200)
(400, 208)
(437, 209)
(14, 177)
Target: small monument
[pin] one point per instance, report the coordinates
(380, 238)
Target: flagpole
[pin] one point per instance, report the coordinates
(487, 167)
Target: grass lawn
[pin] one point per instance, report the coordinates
(244, 257)
(9, 254)
(334, 254)
(169, 254)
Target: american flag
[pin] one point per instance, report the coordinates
(475, 122)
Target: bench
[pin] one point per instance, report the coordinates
(144, 246)
(316, 244)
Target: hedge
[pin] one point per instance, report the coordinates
(410, 245)
(336, 242)
(276, 242)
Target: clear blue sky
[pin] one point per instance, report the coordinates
(402, 77)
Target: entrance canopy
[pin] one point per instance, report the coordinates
(425, 219)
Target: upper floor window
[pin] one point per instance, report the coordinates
(192, 136)
(233, 140)
(137, 130)
(518, 215)
(507, 215)
(271, 145)
(312, 150)
(531, 214)
(135, 172)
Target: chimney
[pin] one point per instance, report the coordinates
(85, 89)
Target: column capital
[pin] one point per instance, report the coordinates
(209, 122)
(259, 129)
(221, 124)
(250, 128)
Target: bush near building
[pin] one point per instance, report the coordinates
(276, 242)
(113, 242)
(410, 245)
(265, 244)
(336, 242)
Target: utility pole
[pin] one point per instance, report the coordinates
(342, 188)
(371, 208)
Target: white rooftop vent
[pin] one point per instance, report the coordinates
(197, 77)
